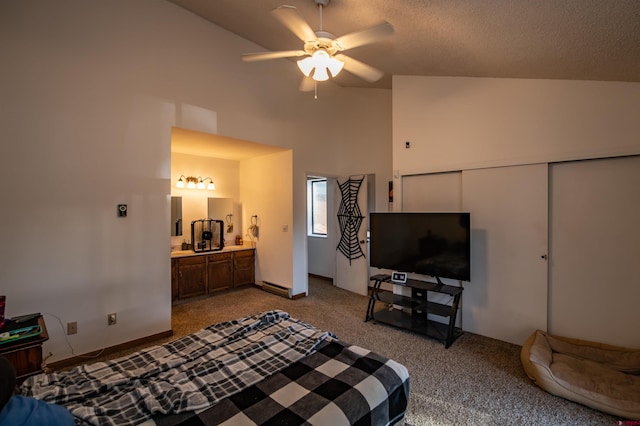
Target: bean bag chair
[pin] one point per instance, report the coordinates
(598, 375)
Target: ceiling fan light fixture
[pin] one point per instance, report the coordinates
(306, 65)
(320, 74)
(321, 62)
(335, 66)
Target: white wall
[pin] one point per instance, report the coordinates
(358, 147)
(90, 92)
(266, 189)
(458, 123)
(471, 123)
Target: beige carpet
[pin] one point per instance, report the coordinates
(477, 381)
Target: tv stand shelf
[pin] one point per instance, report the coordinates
(411, 312)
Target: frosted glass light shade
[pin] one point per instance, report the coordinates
(321, 63)
(306, 65)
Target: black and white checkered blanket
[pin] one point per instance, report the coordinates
(188, 374)
(337, 385)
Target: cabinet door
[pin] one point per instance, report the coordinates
(243, 267)
(174, 279)
(191, 276)
(219, 271)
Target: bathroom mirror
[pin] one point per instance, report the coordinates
(222, 209)
(176, 216)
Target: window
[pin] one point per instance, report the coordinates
(317, 206)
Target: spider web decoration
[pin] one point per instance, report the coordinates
(350, 219)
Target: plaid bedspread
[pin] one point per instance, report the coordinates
(337, 385)
(188, 374)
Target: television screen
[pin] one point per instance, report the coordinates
(435, 244)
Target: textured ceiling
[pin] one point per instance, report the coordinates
(547, 39)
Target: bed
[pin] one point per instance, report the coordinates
(266, 368)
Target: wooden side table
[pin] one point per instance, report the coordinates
(26, 355)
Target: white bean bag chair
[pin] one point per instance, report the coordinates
(598, 375)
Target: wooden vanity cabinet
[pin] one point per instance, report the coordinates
(201, 274)
(191, 276)
(219, 271)
(174, 279)
(244, 267)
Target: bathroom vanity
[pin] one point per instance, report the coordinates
(197, 274)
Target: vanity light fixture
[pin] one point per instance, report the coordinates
(211, 186)
(195, 182)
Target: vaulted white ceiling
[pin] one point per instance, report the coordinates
(547, 39)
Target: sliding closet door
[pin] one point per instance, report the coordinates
(507, 296)
(435, 192)
(595, 250)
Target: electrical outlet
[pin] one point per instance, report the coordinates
(72, 328)
(112, 319)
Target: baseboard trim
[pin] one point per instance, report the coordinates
(79, 359)
(321, 277)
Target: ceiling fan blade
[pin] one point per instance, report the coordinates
(359, 38)
(307, 84)
(362, 70)
(261, 56)
(290, 18)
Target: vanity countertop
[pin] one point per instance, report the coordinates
(184, 253)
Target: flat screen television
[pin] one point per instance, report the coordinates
(435, 244)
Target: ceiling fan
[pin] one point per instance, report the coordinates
(320, 49)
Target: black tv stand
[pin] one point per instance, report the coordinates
(411, 312)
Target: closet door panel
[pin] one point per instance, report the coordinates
(507, 296)
(435, 192)
(595, 250)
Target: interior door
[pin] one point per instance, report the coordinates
(352, 266)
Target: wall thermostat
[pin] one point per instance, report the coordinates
(399, 277)
(122, 210)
